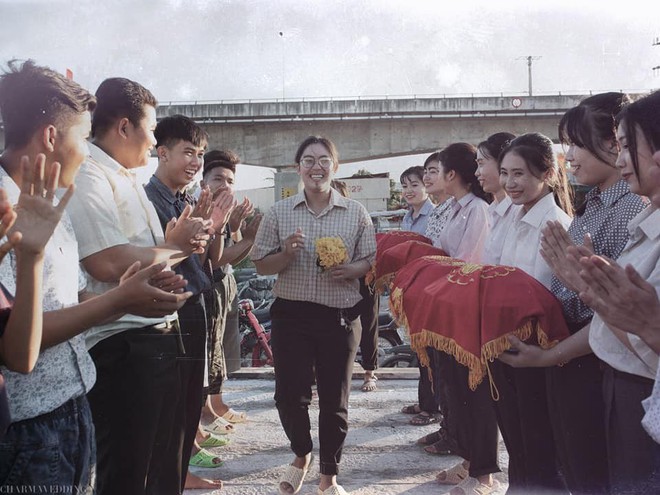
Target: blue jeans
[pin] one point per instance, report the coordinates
(52, 453)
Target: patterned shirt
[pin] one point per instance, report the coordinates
(467, 228)
(522, 244)
(437, 221)
(642, 252)
(605, 216)
(501, 216)
(302, 279)
(110, 209)
(65, 371)
(420, 223)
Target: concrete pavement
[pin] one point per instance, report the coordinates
(380, 455)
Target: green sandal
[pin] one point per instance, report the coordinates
(214, 441)
(205, 459)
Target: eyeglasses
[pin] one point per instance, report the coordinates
(309, 161)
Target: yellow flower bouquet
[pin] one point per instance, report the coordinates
(330, 251)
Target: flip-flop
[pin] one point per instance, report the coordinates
(220, 426)
(214, 441)
(293, 476)
(234, 416)
(332, 490)
(205, 459)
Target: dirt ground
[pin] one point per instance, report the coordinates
(380, 455)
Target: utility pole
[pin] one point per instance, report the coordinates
(283, 65)
(656, 69)
(530, 59)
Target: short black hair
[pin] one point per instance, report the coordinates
(120, 98)
(220, 158)
(175, 128)
(32, 96)
(417, 171)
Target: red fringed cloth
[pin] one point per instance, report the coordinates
(394, 250)
(468, 310)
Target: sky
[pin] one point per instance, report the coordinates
(211, 50)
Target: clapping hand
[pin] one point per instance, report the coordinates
(559, 252)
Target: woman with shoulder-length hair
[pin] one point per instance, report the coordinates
(319, 244)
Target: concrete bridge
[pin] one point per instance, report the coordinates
(267, 132)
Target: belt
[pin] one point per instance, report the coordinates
(166, 325)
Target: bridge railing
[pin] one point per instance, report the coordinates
(302, 99)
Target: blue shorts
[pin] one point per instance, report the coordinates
(52, 453)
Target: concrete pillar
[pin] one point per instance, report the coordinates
(287, 183)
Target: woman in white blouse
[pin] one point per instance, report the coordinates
(470, 421)
(623, 303)
(532, 178)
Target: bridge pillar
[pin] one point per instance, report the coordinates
(287, 183)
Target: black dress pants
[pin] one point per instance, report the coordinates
(631, 451)
(469, 418)
(192, 318)
(369, 308)
(133, 407)
(308, 337)
(523, 417)
(577, 416)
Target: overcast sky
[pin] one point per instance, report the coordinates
(232, 49)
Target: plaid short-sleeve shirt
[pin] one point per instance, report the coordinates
(303, 279)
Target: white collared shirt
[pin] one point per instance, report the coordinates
(501, 217)
(109, 209)
(643, 253)
(523, 241)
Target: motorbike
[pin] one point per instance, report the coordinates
(255, 337)
(401, 356)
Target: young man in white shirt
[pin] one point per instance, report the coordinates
(138, 386)
(47, 117)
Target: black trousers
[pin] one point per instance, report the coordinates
(469, 418)
(307, 337)
(133, 407)
(192, 318)
(631, 451)
(369, 308)
(427, 393)
(575, 404)
(523, 418)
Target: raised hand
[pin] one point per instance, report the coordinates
(223, 206)
(249, 231)
(140, 297)
(7, 219)
(558, 251)
(204, 205)
(239, 214)
(36, 215)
